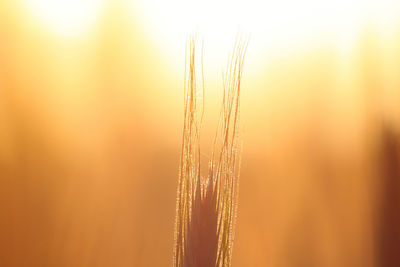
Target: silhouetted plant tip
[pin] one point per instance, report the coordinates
(206, 206)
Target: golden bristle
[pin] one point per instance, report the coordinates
(206, 208)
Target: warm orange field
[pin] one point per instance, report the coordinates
(91, 128)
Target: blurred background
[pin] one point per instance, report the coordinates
(91, 111)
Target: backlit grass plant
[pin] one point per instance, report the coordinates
(206, 205)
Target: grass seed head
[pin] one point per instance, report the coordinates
(206, 207)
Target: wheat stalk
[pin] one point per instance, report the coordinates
(206, 206)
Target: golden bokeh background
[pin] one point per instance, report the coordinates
(91, 109)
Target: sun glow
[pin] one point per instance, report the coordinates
(66, 17)
(274, 25)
